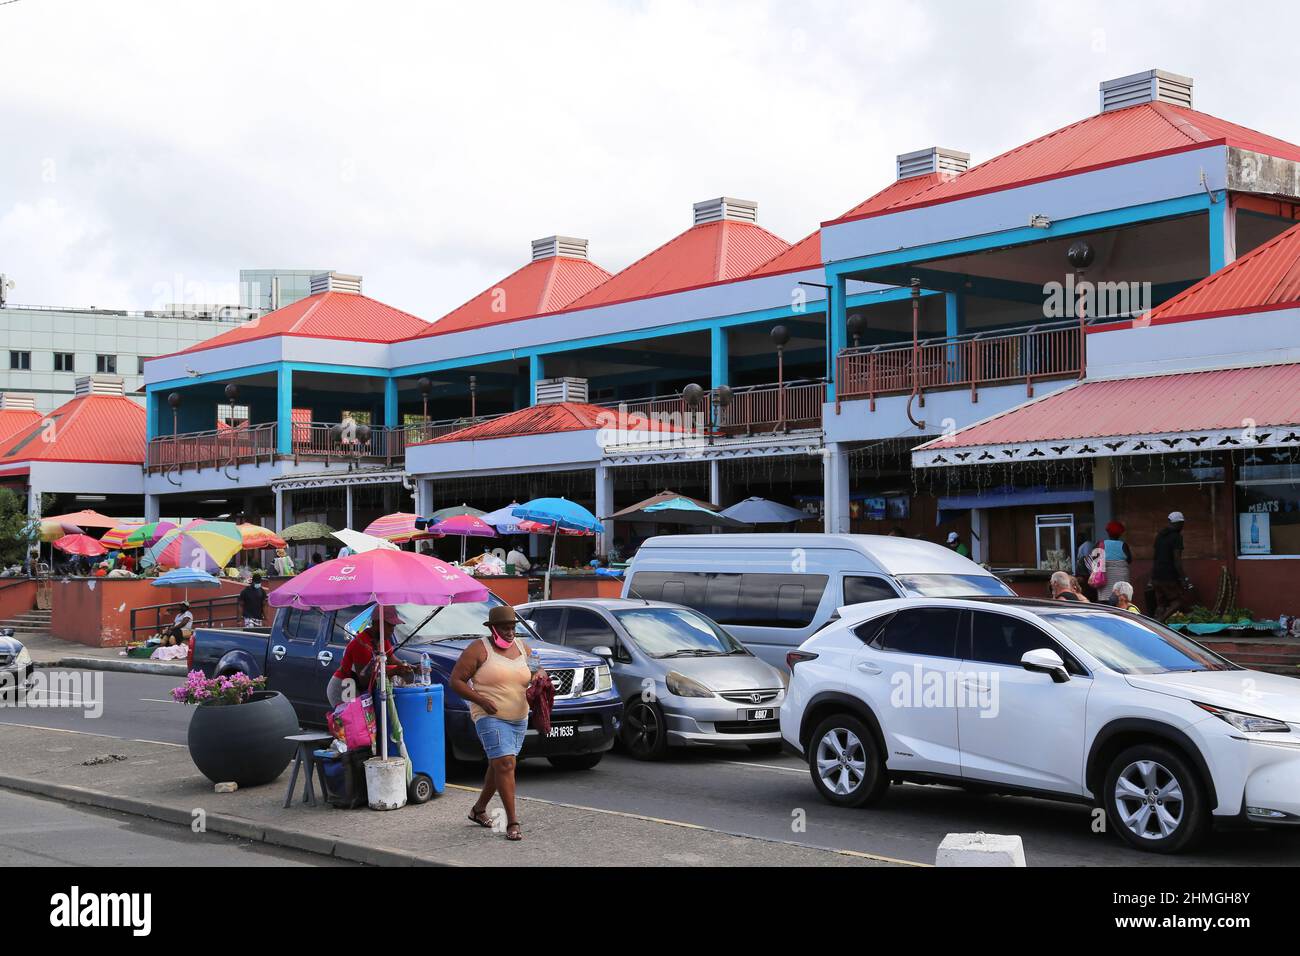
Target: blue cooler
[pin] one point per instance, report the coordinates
(419, 708)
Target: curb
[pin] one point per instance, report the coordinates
(240, 827)
(116, 664)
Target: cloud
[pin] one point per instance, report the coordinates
(424, 146)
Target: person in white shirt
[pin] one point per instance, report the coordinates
(518, 560)
(184, 619)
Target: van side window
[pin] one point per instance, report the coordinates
(930, 631)
(750, 599)
(861, 589)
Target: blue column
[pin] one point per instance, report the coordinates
(1222, 232)
(952, 328)
(390, 404)
(536, 370)
(284, 410)
(150, 413)
(836, 327)
(719, 356)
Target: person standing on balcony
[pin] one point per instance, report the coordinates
(1168, 579)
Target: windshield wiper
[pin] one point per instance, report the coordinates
(693, 652)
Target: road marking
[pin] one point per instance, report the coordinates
(759, 766)
(156, 700)
(695, 826)
(87, 733)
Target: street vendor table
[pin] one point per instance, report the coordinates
(306, 758)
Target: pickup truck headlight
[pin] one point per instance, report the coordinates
(684, 686)
(24, 658)
(1247, 723)
(603, 679)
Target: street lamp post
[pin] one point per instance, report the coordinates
(780, 336)
(1080, 255)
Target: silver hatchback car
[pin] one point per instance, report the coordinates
(683, 679)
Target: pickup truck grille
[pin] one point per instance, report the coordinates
(563, 681)
(570, 682)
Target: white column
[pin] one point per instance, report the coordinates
(835, 488)
(152, 508)
(715, 483)
(347, 508)
(604, 506)
(279, 510)
(34, 501)
(979, 542)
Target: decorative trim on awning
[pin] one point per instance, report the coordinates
(339, 479)
(808, 443)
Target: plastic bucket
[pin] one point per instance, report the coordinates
(386, 783)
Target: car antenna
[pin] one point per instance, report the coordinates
(636, 594)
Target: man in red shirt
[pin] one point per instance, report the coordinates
(357, 666)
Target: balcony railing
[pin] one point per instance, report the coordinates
(212, 449)
(969, 361)
(753, 408)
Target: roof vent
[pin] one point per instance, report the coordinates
(936, 159)
(551, 391)
(17, 401)
(554, 246)
(335, 282)
(98, 385)
(725, 208)
(1153, 86)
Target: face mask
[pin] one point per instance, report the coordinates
(501, 642)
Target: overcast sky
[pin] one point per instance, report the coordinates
(152, 149)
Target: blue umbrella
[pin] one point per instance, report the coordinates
(762, 511)
(685, 511)
(559, 513)
(186, 578)
(503, 519)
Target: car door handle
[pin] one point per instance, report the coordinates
(278, 652)
(324, 657)
(867, 668)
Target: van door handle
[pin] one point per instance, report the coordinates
(278, 652)
(324, 657)
(867, 668)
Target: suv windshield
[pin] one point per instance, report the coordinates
(677, 632)
(951, 585)
(451, 622)
(1130, 644)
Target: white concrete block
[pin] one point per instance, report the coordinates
(980, 849)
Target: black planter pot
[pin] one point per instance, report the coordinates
(243, 742)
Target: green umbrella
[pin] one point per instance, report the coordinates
(307, 532)
(445, 513)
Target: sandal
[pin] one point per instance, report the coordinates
(480, 817)
(513, 831)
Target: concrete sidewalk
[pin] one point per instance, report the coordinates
(49, 651)
(159, 781)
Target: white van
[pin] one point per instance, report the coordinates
(774, 591)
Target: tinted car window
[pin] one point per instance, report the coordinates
(859, 590)
(587, 629)
(753, 599)
(1002, 639)
(931, 631)
(1130, 644)
(337, 633)
(546, 621)
(302, 625)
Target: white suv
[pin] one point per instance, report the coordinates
(1069, 701)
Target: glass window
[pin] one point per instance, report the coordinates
(65, 362)
(424, 624)
(546, 621)
(1268, 512)
(1130, 644)
(232, 415)
(586, 630)
(930, 631)
(1003, 639)
(106, 364)
(139, 364)
(859, 590)
(752, 599)
(952, 585)
(674, 632)
(20, 360)
(337, 633)
(1055, 542)
(302, 624)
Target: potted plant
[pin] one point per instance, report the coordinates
(238, 729)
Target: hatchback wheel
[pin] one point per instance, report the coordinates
(845, 762)
(1154, 800)
(644, 732)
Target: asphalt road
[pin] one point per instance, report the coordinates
(35, 831)
(733, 791)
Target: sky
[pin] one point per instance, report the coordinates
(153, 149)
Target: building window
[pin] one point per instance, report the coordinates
(1268, 509)
(106, 364)
(65, 362)
(232, 416)
(20, 360)
(139, 363)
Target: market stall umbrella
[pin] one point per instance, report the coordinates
(185, 578)
(208, 545)
(466, 526)
(307, 532)
(399, 527)
(51, 529)
(762, 511)
(360, 542)
(119, 538)
(442, 514)
(503, 519)
(379, 577)
(147, 535)
(559, 514)
(81, 544)
(668, 507)
(87, 519)
(256, 537)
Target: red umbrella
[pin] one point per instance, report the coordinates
(82, 544)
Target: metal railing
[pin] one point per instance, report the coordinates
(221, 611)
(969, 361)
(792, 406)
(212, 449)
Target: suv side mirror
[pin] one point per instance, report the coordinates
(1044, 660)
(601, 650)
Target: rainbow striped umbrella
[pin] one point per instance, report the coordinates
(256, 537)
(204, 545)
(118, 539)
(147, 535)
(399, 527)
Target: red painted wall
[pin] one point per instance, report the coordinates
(16, 596)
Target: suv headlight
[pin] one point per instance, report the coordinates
(1247, 723)
(603, 680)
(24, 658)
(684, 686)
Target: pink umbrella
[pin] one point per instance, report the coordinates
(466, 526)
(398, 527)
(379, 577)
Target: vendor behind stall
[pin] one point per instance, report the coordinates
(358, 663)
(183, 621)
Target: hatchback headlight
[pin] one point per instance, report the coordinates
(24, 658)
(1247, 723)
(603, 680)
(684, 686)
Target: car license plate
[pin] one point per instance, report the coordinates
(562, 730)
(765, 714)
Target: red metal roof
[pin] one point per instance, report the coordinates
(704, 254)
(1266, 277)
(1151, 405)
(14, 420)
(807, 252)
(98, 429)
(545, 285)
(1106, 139)
(550, 418)
(326, 315)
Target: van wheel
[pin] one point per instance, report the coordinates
(845, 762)
(644, 732)
(1154, 800)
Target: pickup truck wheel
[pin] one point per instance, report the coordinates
(574, 761)
(644, 732)
(420, 789)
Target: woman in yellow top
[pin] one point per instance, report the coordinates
(493, 675)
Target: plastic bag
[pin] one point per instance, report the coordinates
(353, 722)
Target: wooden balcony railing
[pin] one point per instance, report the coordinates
(212, 449)
(753, 408)
(965, 361)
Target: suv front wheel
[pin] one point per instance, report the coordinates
(1154, 799)
(845, 763)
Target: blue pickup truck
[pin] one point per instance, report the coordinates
(304, 647)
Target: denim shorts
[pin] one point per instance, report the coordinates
(501, 738)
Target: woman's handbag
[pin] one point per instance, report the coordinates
(1097, 561)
